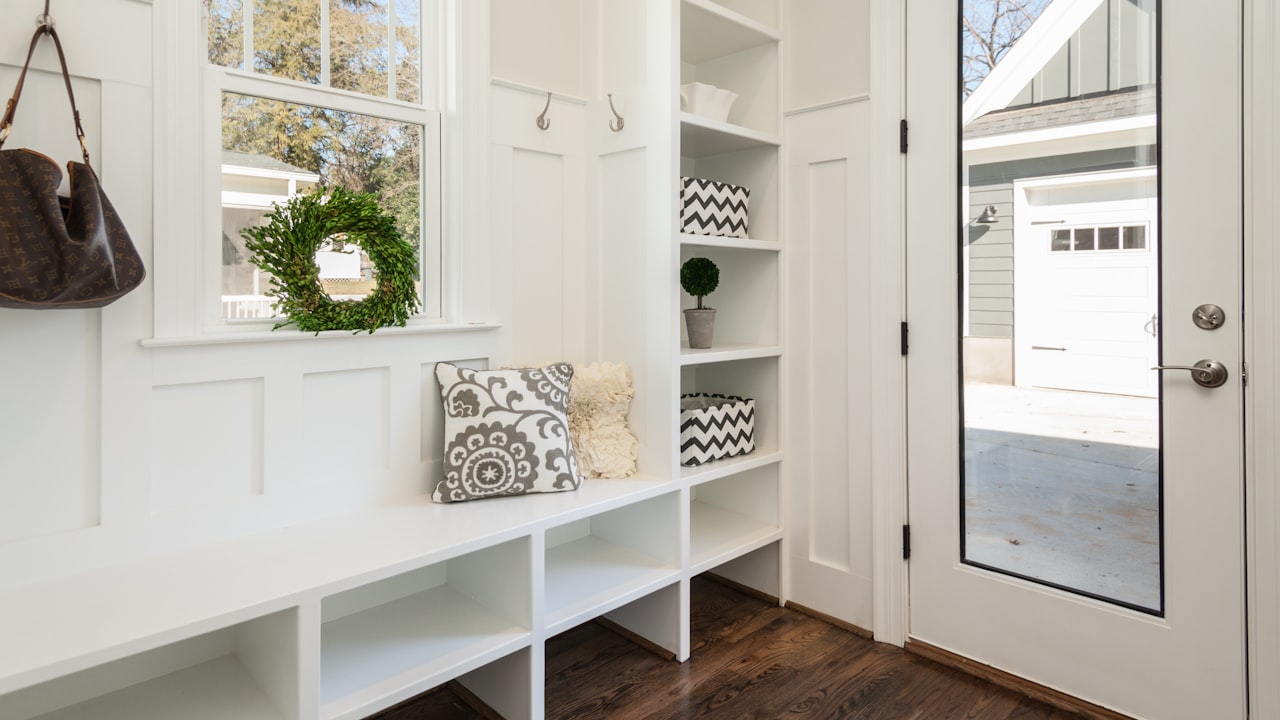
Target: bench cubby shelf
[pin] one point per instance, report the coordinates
(599, 563)
(732, 516)
(392, 639)
(342, 617)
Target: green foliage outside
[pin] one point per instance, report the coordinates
(361, 153)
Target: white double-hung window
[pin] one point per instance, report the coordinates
(304, 94)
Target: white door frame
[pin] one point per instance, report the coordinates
(888, 193)
(1262, 352)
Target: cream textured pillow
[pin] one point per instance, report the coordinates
(599, 400)
(506, 432)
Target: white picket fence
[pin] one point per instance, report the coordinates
(248, 307)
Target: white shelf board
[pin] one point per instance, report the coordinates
(709, 30)
(717, 536)
(703, 137)
(375, 658)
(724, 353)
(71, 623)
(214, 690)
(717, 469)
(732, 243)
(590, 576)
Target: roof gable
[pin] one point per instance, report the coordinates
(1046, 36)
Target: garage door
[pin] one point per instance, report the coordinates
(1085, 286)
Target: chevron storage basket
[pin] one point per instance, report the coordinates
(708, 207)
(715, 426)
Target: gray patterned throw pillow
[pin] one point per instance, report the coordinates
(506, 432)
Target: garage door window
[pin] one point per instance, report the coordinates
(1099, 238)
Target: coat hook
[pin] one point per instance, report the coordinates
(621, 122)
(543, 121)
(45, 21)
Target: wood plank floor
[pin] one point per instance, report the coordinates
(750, 660)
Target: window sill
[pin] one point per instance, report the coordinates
(265, 335)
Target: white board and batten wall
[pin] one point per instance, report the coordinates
(237, 516)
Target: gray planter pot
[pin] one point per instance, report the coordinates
(700, 324)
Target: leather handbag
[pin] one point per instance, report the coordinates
(58, 252)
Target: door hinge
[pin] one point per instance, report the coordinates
(906, 542)
(902, 136)
(905, 332)
(1244, 374)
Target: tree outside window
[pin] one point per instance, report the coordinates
(343, 53)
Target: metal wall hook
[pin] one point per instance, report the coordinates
(543, 121)
(45, 21)
(621, 122)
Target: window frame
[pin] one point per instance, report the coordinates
(186, 266)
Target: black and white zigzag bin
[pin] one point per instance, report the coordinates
(708, 207)
(715, 426)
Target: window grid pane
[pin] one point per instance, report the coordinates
(273, 150)
(372, 47)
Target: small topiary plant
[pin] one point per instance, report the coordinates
(699, 277)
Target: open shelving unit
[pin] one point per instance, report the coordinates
(735, 521)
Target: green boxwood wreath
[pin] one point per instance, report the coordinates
(286, 247)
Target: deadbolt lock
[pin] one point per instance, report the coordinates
(1208, 317)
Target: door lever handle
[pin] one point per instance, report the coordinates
(1207, 373)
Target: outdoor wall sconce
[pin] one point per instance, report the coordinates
(988, 216)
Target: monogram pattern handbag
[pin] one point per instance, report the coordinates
(58, 252)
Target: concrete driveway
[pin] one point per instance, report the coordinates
(1063, 487)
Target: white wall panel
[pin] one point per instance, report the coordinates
(828, 51)
(829, 351)
(538, 255)
(206, 444)
(539, 226)
(536, 43)
(49, 442)
(345, 417)
(830, 493)
(624, 232)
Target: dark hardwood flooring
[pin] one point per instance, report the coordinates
(750, 659)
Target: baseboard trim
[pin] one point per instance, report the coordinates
(850, 627)
(473, 701)
(744, 589)
(640, 640)
(1017, 684)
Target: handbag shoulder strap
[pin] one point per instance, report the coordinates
(6, 123)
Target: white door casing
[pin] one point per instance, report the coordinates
(1190, 663)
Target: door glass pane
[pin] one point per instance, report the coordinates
(1059, 319)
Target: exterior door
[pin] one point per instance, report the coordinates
(1089, 542)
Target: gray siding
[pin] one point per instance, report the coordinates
(1112, 50)
(991, 263)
